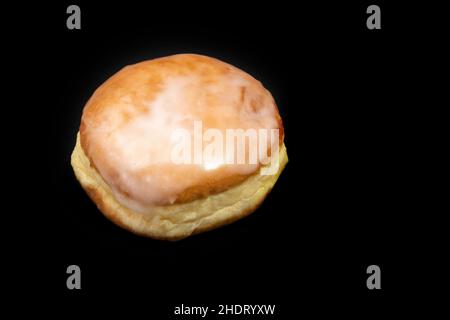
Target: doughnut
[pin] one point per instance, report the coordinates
(175, 146)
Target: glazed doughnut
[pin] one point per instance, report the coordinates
(158, 149)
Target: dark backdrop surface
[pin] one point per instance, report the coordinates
(338, 207)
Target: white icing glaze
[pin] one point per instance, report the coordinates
(140, 149)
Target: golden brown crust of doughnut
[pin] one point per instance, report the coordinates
(104, 97)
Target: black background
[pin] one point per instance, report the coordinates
(342, 203)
